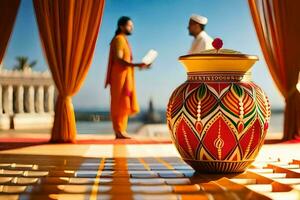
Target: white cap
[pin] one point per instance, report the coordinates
(199, 19)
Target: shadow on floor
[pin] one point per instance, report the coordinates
(76, 177)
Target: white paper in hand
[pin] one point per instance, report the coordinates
(150, 57)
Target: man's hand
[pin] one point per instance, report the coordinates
(143, 65)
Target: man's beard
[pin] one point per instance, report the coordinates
(127, 32)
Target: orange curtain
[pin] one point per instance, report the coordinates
(278, 30)
(8, 13)
(68, 31)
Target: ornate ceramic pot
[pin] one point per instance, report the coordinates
(218, 118)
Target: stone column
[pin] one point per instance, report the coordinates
(4, 118)
(39, 96)
(29, 99)
(8, 100)
(19, 101)
(49, 99)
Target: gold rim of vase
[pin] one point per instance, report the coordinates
(218, 62)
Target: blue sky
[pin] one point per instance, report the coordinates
(161, 25)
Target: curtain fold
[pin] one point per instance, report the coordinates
(8, 14)
(278, 29)
(68, 31)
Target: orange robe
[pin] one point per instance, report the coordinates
(122, 85)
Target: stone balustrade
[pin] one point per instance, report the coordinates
(26, 99)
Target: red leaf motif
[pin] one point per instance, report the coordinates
(226, 142)
(186, 138)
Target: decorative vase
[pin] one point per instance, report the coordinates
(218, 118)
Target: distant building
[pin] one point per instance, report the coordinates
(152, 116)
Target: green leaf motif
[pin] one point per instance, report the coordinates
(201, 91)
(238, 90)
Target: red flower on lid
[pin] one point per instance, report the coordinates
(217, 43)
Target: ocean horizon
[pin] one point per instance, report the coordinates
(99, 126)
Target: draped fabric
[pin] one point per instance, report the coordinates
(68, 31)
(8, 13)
(278, 29)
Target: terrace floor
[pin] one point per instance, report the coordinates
(133, 170)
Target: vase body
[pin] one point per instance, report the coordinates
(218, 119)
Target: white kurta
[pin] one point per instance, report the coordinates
(202, 42)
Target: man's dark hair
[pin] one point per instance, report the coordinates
(121, 22)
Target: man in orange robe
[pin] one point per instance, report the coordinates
(120, 77)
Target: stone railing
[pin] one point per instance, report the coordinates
(26, 99)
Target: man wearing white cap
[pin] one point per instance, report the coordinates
(202, 40)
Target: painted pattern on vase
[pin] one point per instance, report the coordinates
(218, 120)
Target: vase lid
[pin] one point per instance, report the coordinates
(218, 60)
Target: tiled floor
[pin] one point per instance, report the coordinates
(44, 176)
